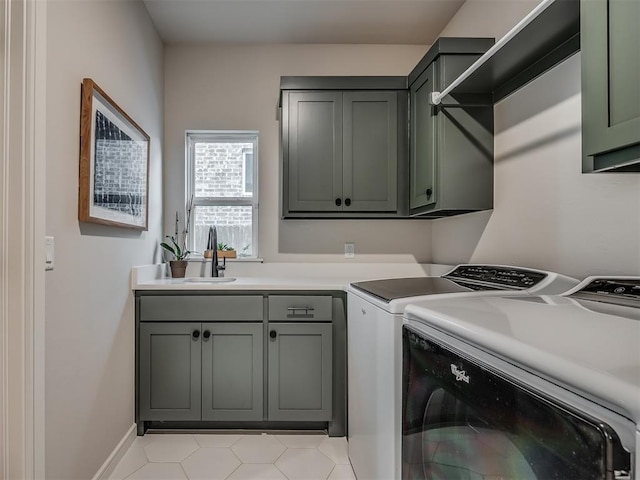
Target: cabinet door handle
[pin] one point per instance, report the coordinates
(196, 333)
(347, 202)
(429, 192)
(338, 202)
(206, 334)
(273, 334)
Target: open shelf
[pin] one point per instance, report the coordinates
(551, 37)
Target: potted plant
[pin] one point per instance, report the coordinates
(179, 264)
(225, 251)
(177, 248)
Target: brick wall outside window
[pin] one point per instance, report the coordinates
(219, 169)
(219, 173)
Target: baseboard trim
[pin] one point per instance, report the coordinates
(112, 460)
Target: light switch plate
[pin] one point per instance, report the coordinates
(49, 253)
(349, 250)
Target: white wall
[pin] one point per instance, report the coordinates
(89, 308)
(237, 87)
(546, 213)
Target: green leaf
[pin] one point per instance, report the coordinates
(168, 247)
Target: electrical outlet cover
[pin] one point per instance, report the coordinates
(349, 250)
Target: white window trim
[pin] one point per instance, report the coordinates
(245, 136)
(244, 171)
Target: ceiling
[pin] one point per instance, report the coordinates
(411, 22)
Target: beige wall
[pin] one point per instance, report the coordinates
(89, 308)
(487, 18)
(236, 88)
(547, 214)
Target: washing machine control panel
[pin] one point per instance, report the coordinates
(503, 277)
(614, 287)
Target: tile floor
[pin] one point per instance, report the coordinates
(250, 456)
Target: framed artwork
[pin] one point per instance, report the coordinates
(114, 163)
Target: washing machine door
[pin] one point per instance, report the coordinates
(464, 421)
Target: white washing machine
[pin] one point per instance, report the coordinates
(527, 387)
(374, 336)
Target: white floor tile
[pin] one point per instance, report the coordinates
(214, 463)
(159, 471)
(301, 441)
(336, 449)
(235, 457)
(170, 448)
(217, 439)
(258, 449)
(144, 440)
(257, 471)
(342, 472)
(132, 461)
(305, 464)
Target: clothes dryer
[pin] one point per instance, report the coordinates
(527, 387)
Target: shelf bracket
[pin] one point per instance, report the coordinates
(434, 98)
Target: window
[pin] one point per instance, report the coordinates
(222, 177)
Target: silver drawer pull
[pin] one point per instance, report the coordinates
(299, 309)
(300, 312)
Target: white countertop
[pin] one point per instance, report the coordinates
(246, 283)
(281, 276)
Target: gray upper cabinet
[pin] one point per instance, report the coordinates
(342, 152)
(370, 151)
(451, 144)
(169, 382)
(610, 44)
(232, 379)
(422, 163)
(300, 371)
(314, 150)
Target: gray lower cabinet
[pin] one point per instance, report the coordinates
(227, 369)
(451, 147)
(170, 374)
(610, 42)
(300, 371)
(232, 379)
(200, 371)
(340, 152)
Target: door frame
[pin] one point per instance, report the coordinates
(22, 225)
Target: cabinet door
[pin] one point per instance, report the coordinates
(169, 371)
(232, 379)
(300, 378)
(370, 153)
(610, 44)
(422, 174)
(314, 151)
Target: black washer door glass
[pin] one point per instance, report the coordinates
(462, 421)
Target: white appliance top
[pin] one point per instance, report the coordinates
(394, 294)
(587, 340)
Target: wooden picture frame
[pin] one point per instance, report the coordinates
(114, 163)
